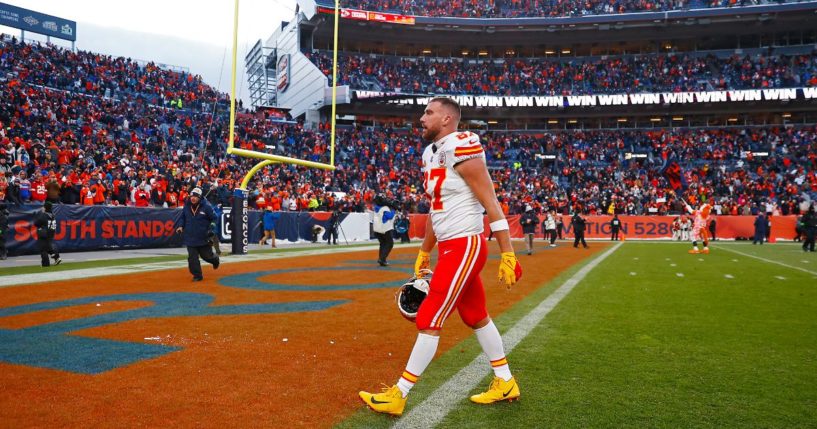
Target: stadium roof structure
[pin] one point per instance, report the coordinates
(452, 34)
(785, 29)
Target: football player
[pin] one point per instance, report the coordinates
(700, 227)
(461, 190)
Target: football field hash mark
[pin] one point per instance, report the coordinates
(679, 274)
(780, 277)
(728, 276)
(771, 261)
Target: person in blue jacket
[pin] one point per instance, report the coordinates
(270, 217)
(198, 220)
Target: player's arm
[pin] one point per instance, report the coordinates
(183, 221)
(423, 261)
(475, 174)
(430, 239)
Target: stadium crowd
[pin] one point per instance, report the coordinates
(117, 137)
(546, 76)
(537, 8)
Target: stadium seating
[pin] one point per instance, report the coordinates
(524, 76)
(95, 129)
(536, 8)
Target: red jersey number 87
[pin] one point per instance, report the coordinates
(437, 175)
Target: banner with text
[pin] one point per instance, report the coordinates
(638, 99)
(641, 227)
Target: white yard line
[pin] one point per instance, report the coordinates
(771, 261)
(21, 279)
(436, 406)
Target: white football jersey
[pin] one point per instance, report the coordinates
(455, 210)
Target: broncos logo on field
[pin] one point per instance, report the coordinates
(54, 345)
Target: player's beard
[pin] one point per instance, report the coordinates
(431, 134)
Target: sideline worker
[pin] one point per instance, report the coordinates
(198, 219)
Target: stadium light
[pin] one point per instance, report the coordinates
(655, 119)
(572, 121)
(677, 118)
(553, 121)
(565, 51)
(550, 52)
(787, 115)
(732, 119)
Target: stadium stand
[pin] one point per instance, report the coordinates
(523, 76)
(95, 129)
(537, 8)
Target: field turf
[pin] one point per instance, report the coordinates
(656, 337)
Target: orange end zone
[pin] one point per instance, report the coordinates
(289, 341)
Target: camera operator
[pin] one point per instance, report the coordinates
(334, 224)
(383, 224)
(197, 221)
(401, 227)
(46, 225)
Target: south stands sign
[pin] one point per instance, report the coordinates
(35, 22)
(644, 98)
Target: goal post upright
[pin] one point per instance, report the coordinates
(239, 211)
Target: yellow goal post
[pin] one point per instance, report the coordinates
(239, 212)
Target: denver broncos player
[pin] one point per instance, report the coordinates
(700, 227)
(460, 188)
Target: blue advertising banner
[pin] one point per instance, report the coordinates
(86, 228)
(35, 22)
(83, 228)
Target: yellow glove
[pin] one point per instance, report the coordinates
(423, 262)
(509, 269)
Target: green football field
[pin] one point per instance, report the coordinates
(651, 337)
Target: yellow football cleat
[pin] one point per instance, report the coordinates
(499, 390)
(390, 401)
(705, 251)
(694, 251)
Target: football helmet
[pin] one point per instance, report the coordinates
(412, 293)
